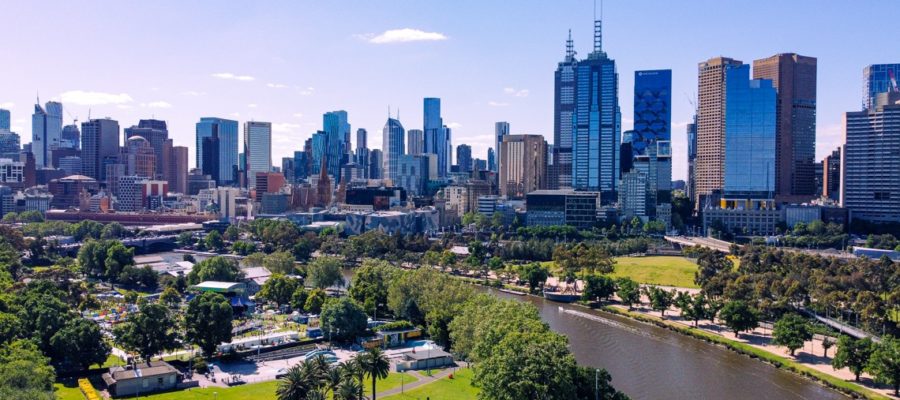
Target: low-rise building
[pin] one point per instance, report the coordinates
(562, 207)
(141, 379)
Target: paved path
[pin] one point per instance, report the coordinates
(423, 380)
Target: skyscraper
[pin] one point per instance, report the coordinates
(415, 142)
(651, 136)
(870, 168)
(464, 157)
(376, 164)
(46, 131)
(491, 159)
(710, 161)
(362, 151)
(99, 145)
(523, 165)
(595, 145)
(219, 138)
(691, 131)
(831, 175)
(436, 135)
(178, 169)
(4, 119)
(71, 137)
(392, 143)
(563, 118)
(750, 140)
(501, 129)
(157, 133)
(337, 141)
(794, 79)
(879, 78)
(257, 149)
(138, 157)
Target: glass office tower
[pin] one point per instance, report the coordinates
(749, 139)
(224, 132)
(879, 78)
(436, 135)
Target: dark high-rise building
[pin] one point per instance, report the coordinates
(415, 142)
(362, 151)
(71, 137)
(301, 166)
(879, 78)
(376, 164)
(222, 155)
(794, 79)
(178, 169)
(4, 119)
(597, 123)
(709, 168)
(651, 139)
(157, 134)
(491, 159)
(464, 157)
(563, 118)
(99, 145)
(831, 175)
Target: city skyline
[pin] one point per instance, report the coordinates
(292, 91)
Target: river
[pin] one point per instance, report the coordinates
(649, 362)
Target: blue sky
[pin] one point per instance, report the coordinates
(289, 62)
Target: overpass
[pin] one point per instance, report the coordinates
(691, 241)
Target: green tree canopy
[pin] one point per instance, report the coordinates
(739, 317)
(342, 319)
(791, 331)
(208, 321)
(629, 291)
(215, 269)
(149, 332)
(79, 344)
(853, 354)
(324, 272)
(884, 364)
(370, 284)
(25, 373)
(279, 289)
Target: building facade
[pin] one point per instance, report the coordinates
(436, 139)
(879, 78)
(523, 165)
(710, 161)
(257, 149)
(156, 133)
(46, 131)
(392, 143)
(217, 148)
(831, 175)
(415, 142)
(794, 78)
(99, 146)
(464, 157)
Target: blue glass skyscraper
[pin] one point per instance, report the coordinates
(220, 135)
(652, 109)
(337, 149)
(436, 135)
(46, 131)
(596, 134)
(392, 143)
(563, 116)
(879, 78)
(4, 119)
(749, 139)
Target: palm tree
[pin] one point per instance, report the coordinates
(332, 379)
(299, 384)
(353, 369)
(348, 389)
(376, 365)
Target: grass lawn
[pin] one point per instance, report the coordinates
(657, 270)
(64, 392)
(458, 388)
(392, 381)
(111, 361)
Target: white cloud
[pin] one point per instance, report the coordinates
(7, 104)
(298, 115)
(516, 92)
(235, 114)
(454, 125)
(193, 93)
(402, 36)
(157, 104)
(276, 85)
(229, 75)
(84, 98)
(497, 104)
(284, 127)
(307, 91)
(251, 105)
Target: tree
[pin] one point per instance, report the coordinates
(117, 258)
(280, 262)
(170, 297)
(791, 331)
(884, 364)
(214, 241)
(739, 317)
(279, 289)
(144, 277)
(535, 274)
(298, 298)
(629, 291)
(370, 284)
(79, 344)
(25, 373)
(853, 354)
(42, 314)
(149, 332)
(598, 287)
(695, 309)
(528, 365)
(215, 269)
(232, 233)
(827, 343)
(660, 299)
(208, 321)
(300, 382)
(325, 272)
(185, 239)
(376, 365)
(10, 327)
(342, 319)
(315, 301)
(113, 230)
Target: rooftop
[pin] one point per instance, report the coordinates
(147, 369)
(218, 286)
